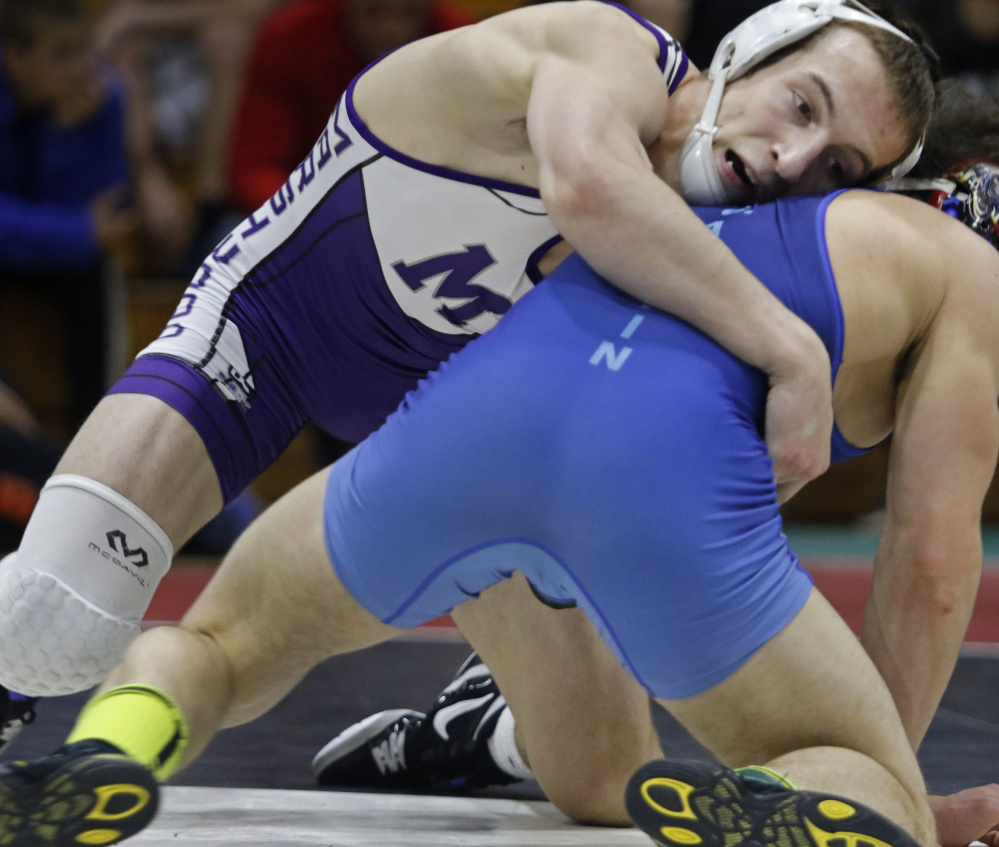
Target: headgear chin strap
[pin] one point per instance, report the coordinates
(969, 193)
(759, 36)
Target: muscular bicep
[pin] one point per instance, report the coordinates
(597, 95)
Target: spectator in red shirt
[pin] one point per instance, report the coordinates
(303, 58)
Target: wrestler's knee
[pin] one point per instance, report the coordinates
(141, 447)
(72, 597)
(593, 796)
(585, 764)
(587, 781)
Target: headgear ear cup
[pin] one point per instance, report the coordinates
(756, 38)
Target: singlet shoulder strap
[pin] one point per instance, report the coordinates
(673, 61)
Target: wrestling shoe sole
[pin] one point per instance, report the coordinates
(93, 800)
(693, 804)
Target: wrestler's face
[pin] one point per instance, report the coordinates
(820, 118)
(379, 26)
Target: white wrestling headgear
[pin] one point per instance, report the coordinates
(759, 36)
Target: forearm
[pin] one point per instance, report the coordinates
(639, 234)
(913, 628)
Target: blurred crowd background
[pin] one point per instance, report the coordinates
(134, 134)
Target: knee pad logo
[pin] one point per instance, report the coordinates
(143, 559)
(130, 559)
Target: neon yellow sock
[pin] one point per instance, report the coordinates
(141, 721)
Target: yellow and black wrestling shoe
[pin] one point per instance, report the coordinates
(697, 804)
(86, 793)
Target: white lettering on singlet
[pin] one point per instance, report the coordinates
(608, 353)
(633, 324)
(614, 359)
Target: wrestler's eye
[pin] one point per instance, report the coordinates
(803, 107)
(837, 171)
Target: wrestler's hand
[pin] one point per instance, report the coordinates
(970, 815)
(799, 415)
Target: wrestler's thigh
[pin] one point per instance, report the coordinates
(149, 453)
(276, 607)
(812, 685)
(584, 721)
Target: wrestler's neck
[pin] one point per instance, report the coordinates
(684, 111)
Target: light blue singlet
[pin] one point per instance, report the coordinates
(611, 453)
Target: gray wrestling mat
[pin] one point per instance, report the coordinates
(191, 816)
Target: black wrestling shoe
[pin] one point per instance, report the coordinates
(680, 803)
(444, 750)
(373, 753)
(86, 793)
(16, 712)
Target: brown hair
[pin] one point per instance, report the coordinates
(913, 68)
(965, 128)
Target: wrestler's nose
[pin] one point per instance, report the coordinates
(796, 155)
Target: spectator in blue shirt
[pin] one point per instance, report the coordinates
(64, 175)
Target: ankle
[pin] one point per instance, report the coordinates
(503, 748)
(140, 721)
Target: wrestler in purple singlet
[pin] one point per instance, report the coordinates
(363, 272)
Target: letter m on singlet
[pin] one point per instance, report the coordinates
(457, 270)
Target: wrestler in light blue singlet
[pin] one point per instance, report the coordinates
(611, 453)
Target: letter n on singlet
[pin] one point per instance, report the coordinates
(606, 352)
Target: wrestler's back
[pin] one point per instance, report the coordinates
(605, 449)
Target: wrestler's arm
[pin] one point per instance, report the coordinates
(597, 98)
(928, 563)
(943, 457)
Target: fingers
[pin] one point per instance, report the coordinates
(799, 424)
(969, 815)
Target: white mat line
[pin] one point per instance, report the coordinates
(226, 817)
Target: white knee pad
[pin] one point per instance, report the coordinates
(72, 596)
